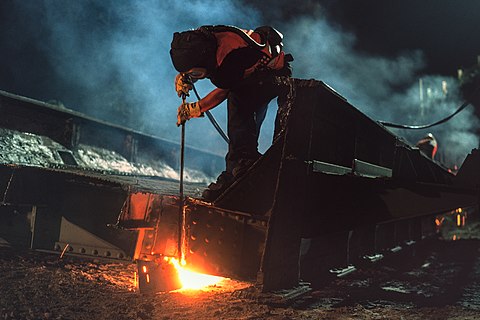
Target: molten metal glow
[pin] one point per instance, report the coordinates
(191, 280)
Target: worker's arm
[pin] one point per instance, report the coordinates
(213, 99)
(189, 110)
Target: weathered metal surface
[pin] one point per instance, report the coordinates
(223, 242)
(386, 181)
(335, 188)
(89, 201)
(216, 241)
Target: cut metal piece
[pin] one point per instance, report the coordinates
(82, 242)
(278, 297)
(365, 169)
(153, 277)
(329, 168)
(374, 257)
(396, 249)
(342, 272)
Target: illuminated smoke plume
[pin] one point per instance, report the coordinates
(112, 61)
(383, 88)
(113, 56)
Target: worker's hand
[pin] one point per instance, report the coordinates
(187, 111)
(183, 85)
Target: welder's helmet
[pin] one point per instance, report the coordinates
(193, 49)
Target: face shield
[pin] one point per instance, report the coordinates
(196, 73)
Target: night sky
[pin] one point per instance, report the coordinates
(447, 31)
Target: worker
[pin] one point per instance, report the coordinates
(242, 64)
(428, 145)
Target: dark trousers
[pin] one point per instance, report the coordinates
(247, 106)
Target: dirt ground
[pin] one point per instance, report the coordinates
(440, 282)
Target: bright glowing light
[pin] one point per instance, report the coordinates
(191, 280)
(439, 222)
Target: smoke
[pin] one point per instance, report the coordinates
(384, 88)
(114, 54)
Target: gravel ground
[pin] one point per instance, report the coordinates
(439, 279)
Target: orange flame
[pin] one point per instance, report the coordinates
(191, 280)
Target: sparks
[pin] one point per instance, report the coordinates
(191, 280)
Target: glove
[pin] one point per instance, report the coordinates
(188, 110)
(183, 85)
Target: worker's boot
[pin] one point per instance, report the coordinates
(215, 189)
(242, 167)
